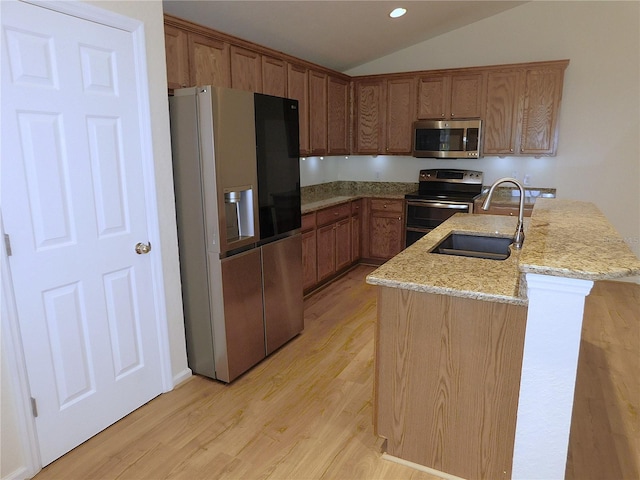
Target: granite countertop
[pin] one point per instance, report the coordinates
(504, 196)
(562, 238)
(417, 269)
(325, 195)
(574, 239)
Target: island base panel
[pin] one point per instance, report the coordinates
(447, 381)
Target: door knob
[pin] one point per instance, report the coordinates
(142, 248)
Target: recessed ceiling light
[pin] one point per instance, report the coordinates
(398, 12)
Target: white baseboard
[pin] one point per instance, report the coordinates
(181, 377)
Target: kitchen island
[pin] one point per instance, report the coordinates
(462, 387)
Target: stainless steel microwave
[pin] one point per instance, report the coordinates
(447, 138)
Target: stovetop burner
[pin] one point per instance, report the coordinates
(448, 185)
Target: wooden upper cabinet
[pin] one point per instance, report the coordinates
(432, 96)
(209, 61)
(298, 89)
(400, 114)
(450, 96)
(338, 116)
(521, 109)
(369, 116)
(246, 69)
(466, 95)
(542, 93)
(274, 76)
(317, 112)
(501, 112)
(177, 55)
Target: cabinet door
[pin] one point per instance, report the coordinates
(541, 102)
(298, 89)
(246, 70)
(343, 243)
(338, 116)
(317, 112)
(401, 112)
(309, 270)
(209, 61)
(274, 76)
(433, 93)
(385, 235)
(369, 117)
(326, 255)
(466, 96)
(177, 52)
(501, 112)
(356, 240)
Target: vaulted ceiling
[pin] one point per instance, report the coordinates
(336, 34)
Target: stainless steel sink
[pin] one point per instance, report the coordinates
(478, 246)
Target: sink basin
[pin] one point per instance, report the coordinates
(478, 246)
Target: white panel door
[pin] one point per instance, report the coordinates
(74, 206)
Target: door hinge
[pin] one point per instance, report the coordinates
(34, 407)
(7, 244)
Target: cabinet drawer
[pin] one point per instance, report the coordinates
(387, 205)
(356, 207)
(333, 214)
(308, 221)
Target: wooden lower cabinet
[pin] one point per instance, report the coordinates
(385, 232)
(447, 377)
(331, 240)
(309, 251)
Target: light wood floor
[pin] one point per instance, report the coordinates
(306, 413)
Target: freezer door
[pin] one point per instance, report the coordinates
(282, 280)
(243, 320)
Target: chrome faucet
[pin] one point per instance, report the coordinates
(518, 237)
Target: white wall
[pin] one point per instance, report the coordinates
(598, 151)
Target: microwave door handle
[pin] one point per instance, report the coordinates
(464, 142)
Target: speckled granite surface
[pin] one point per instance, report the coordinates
(417, 269)
(324, 195)
(562, 238)
(574, 239)
(503, 196)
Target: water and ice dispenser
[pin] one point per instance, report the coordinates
(238, 204)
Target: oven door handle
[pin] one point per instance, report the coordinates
(456, 206)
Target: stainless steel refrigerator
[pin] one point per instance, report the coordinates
(237, 186)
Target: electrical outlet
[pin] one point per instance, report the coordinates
(514, 174)
(526, 180)
(377, 175)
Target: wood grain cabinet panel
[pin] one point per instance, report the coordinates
(309, 251)
(542, 93)
(176, 44)
(521, 109)
(458, 95)
(343, 244)
(369, 117)
(400, 114)
(448, 368)
(356, 230)
(432, 96)
(501, 112)
(326, 255)
(298, 89)
(246, 69)
(466, 95)
(317, 112)
(386, 228)
(338, 116)
(274, 76)
(209, 61)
